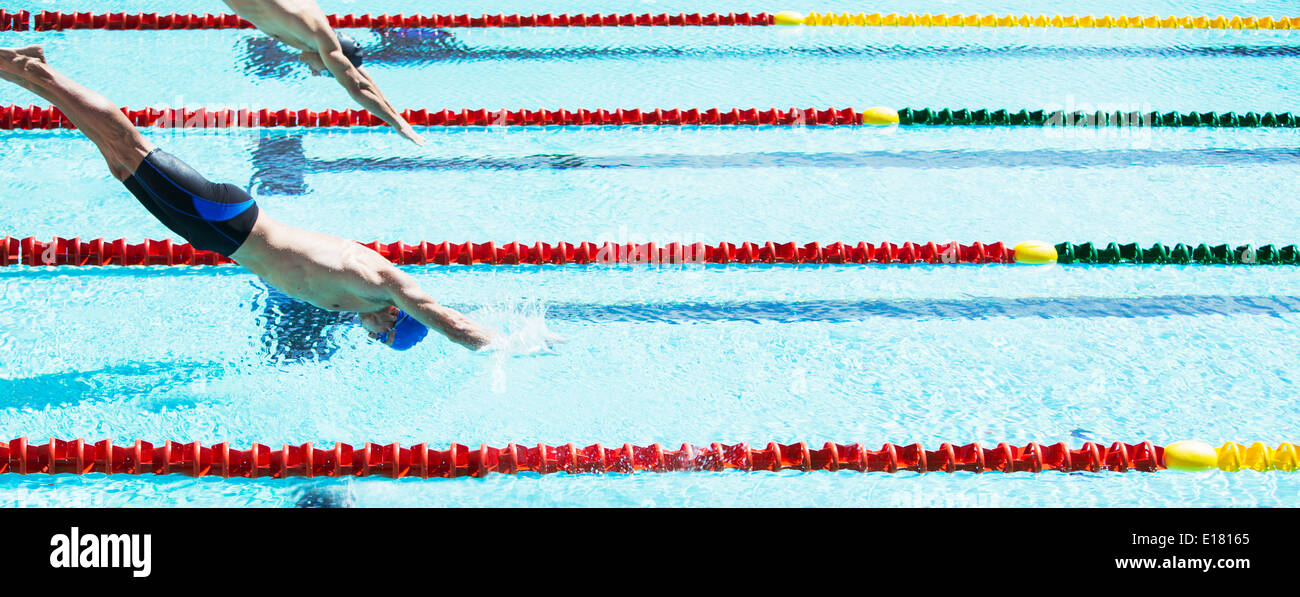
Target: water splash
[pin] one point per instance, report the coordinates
(519, 329)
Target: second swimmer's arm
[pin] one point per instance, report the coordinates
(360, 87)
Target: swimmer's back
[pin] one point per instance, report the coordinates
(298, 23)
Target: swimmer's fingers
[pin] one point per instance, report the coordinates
(411, 135)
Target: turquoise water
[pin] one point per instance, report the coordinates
(685, 354)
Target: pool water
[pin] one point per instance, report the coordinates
(676, 354)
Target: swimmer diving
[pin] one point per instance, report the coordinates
(326, 271)
(302, 25)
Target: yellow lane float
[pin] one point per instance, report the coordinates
(1195, 455)
(1035, 252)
(879, 116)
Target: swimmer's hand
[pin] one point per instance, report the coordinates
(478, 340)
(406, 131)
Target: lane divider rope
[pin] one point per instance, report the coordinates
(58, 20)
(1026, 20)
(1200, 254)
(15, 21)
(983, 117)
(75, 252)
(48, 117)
(59, 251)
(394, 461)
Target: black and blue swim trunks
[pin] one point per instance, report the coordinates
(211, 216)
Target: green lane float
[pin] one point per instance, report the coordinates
(1153, 119)
(1184, 254)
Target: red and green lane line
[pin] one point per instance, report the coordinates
(1057, 21)
(48, 117)
(59, 21)
(34, 252)
(393, 460)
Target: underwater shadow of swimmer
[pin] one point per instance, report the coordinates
(267, 58)
(295, 331)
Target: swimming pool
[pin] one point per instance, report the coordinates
(672, 354)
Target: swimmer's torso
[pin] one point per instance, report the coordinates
(326, 271)
(289, 21)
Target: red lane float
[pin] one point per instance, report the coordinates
(75, 252)
(392, 460)
(15, 21)
(57, 21)
(49, 117)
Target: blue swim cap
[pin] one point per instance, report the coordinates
(408, 332)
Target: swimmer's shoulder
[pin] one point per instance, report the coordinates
(298, 24)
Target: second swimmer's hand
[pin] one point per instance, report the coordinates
(409, 133)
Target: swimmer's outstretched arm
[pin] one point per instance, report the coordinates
(359, 85)
(407, 295)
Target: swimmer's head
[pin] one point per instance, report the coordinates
(350, 49)
(406, 332)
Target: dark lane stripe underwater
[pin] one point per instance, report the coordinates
(280, 163)
(923, 159)
(283, 311)
(398, 47)
(295, 331)
(835, 311)
(398, 56)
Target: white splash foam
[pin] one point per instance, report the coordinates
(519, 328)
